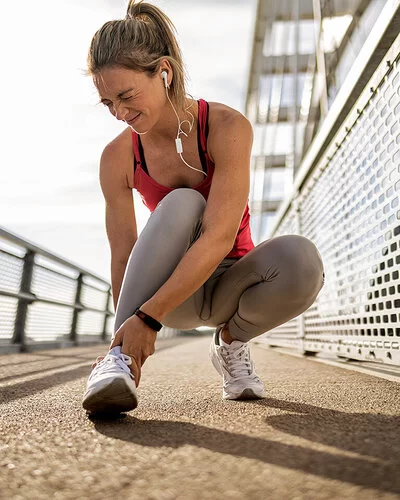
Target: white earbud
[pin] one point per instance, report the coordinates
(164, 76)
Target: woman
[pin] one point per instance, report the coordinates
(194, 263)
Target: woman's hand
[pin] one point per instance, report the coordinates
(137, 341)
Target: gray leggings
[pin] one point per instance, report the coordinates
(275, 282)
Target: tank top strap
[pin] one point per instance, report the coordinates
(136, 150)
(203, 124)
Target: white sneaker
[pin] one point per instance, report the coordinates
(111, 386)
(237, 369)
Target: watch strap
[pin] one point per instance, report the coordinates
(146, 318)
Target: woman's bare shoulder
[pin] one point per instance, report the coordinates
(120, 145)
(224, 122)
(221, 114)
(118, 156)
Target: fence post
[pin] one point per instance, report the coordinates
(106, 314)
(299, 230)
(77, 308)
(301, 321)
(25, 300)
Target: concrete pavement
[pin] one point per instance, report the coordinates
(321, 433)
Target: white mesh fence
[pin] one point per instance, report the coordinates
(349, 207)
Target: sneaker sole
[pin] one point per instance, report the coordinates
(246, 395)
(116, 397)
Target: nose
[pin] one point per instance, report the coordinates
(120, 111)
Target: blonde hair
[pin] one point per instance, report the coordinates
(139, 42)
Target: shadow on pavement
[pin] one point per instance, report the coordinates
(44, 356)
(24, 389)
(44, 370)
(363, 471)
(370, 435)
(27, 388)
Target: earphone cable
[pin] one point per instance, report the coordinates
(180, 131)
(190, 166)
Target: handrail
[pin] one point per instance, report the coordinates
(10, 236)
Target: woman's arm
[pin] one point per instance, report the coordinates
(119, 213)
(230, 146)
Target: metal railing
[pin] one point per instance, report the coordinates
(46, 300)
(346, 200)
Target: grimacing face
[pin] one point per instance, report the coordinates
(132, 96)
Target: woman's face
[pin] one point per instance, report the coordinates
(132, 96)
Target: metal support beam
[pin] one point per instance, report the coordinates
(78, 308)
(106, 314)
(321, 71)
(265, 206)
(25, 300)
(296, 9)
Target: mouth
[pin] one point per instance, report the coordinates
(133, 120)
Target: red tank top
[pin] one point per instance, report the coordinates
(152, 192)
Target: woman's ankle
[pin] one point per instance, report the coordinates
(225, 335)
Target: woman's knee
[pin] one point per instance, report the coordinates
(179, 212)
(306, 264)
(183, 201)
(299, 264)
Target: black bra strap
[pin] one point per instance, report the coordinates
(142, 158)
(202, 132)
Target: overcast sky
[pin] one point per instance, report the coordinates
(53, 131)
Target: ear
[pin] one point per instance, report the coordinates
(166, 66)
(164, 76)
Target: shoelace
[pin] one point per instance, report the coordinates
(238, 361)
(106, 364)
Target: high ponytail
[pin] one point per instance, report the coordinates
(139, 42)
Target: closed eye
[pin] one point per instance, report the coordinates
(109, 103)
